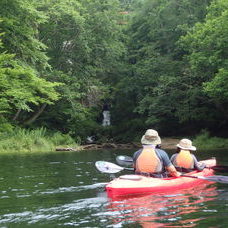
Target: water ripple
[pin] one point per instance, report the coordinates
(60, 213)
(73, 188)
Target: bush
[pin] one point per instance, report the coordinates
(61, 139)
(204, 141)
(24, 140)
(5, 126)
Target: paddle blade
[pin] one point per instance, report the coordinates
(107, 167)
(124, 160)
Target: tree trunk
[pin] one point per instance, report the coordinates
(17, 114)
(36, 115)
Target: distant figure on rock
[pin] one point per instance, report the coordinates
(106, 115)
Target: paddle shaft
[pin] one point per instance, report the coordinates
(128, 168)
(219, 179)
(196, 177)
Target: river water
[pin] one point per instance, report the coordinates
(64, 189)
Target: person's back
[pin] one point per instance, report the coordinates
(184, 160)
(151, 161)
(148, 161)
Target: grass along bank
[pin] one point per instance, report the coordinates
(29, 141)
(39, 140)
(205, 141)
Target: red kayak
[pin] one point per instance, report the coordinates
(136, 184)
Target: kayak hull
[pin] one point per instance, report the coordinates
(135, 184)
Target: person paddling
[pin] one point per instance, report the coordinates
(184, 160)
(152, 161)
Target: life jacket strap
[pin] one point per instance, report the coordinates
(184, 170)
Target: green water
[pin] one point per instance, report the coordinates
(66, 190)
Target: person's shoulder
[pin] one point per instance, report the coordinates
(161, 151)
(138, 151)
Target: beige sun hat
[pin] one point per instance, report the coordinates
(151, 137)
(186, 144)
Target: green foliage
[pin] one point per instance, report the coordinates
(62, 139)
(29, 141)
(20, 87)
(75, 43)
(60, 60)
(131, 130)
(159, 80)
(84, 46)
(104, 134)
(206, 45)
(20, 20)
(217, 88)
(5, 126)
(23, 62)
(205, 141)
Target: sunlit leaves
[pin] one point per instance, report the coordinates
(217, 88)
(207, 45)
(20, 87)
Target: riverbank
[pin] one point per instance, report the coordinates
(167, 144)
(202, 141)
(36, 141)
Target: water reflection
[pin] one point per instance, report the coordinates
(66, 190)
(163, 210)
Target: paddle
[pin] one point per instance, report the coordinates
(124, 160)
(108, 167)
(127, 160)
(220, 179)
(220, 168)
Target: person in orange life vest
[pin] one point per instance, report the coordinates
(184, 160)
(152, 161)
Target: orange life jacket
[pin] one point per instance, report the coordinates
(184, 159)
(148, 162)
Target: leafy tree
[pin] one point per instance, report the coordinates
(84, 46)
(158, 76)
(207, 44)
(23, 76)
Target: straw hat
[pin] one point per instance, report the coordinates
(186, 144)
(151, 137)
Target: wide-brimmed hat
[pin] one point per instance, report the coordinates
(151, 137)
(186, 144)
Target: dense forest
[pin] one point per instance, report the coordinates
(158, 64)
